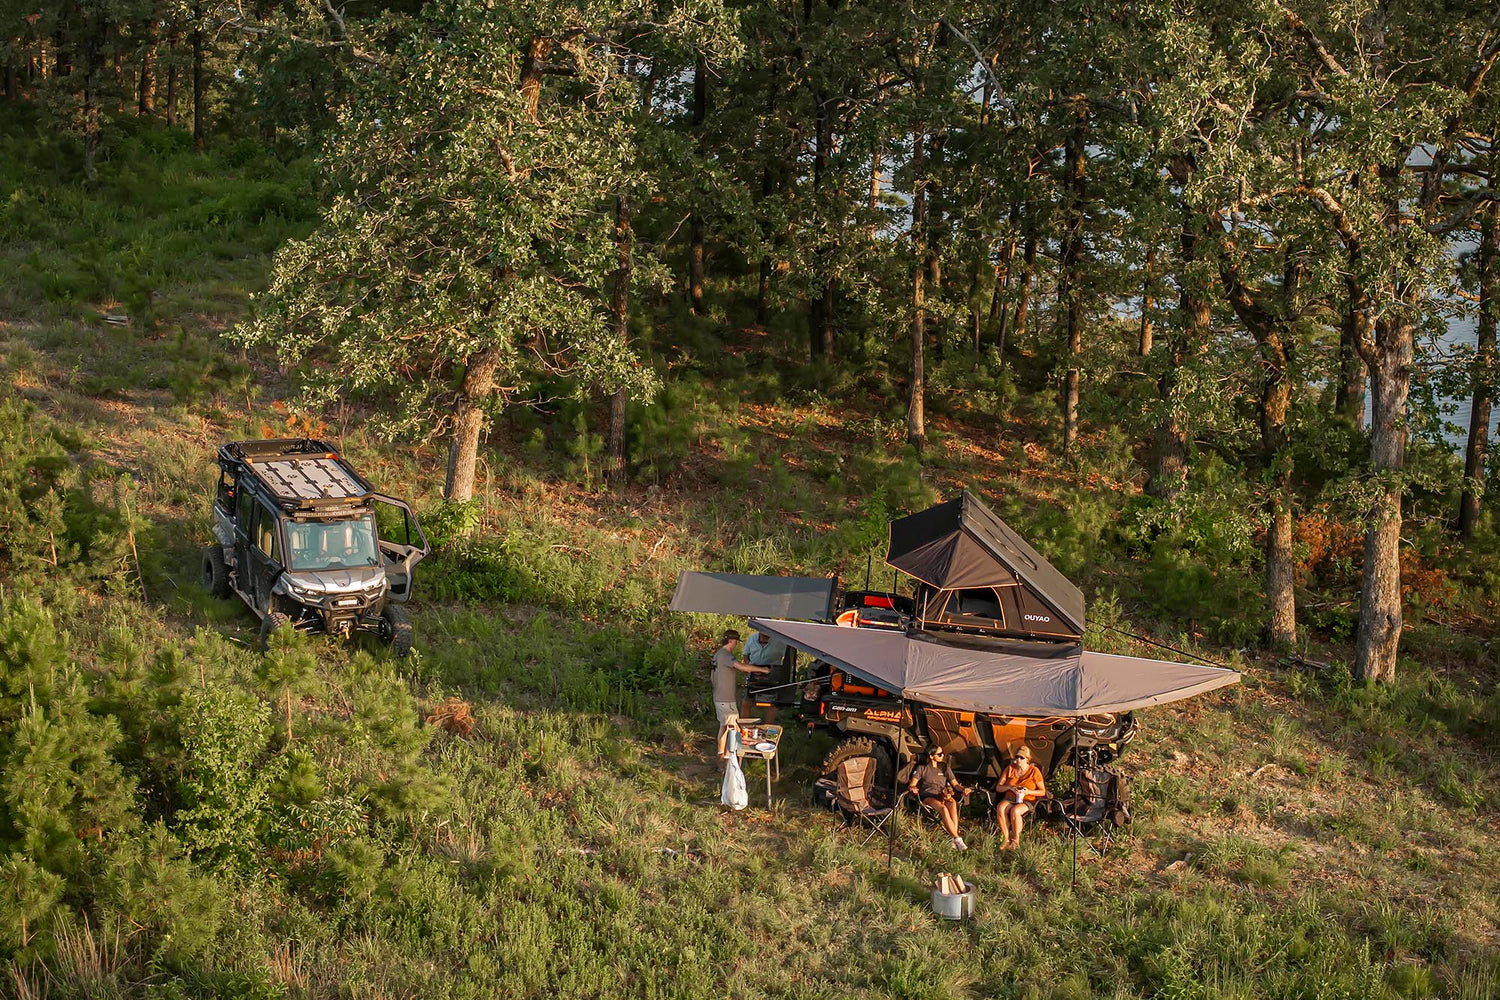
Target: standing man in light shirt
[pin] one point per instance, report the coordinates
(764, 650)
(761, 650)
(726, 666)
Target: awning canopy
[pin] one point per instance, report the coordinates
(997, 677)
(962, 543)
(809, 597)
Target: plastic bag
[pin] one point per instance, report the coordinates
(734, 794)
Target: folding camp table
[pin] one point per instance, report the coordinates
(749, 751)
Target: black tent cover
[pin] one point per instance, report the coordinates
(962, 543)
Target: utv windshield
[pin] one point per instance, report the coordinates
(315, 545)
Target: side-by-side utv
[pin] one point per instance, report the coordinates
(308, 543)
(976, 580)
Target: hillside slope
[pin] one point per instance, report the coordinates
(183, 813)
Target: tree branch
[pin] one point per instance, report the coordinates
(1313, 41)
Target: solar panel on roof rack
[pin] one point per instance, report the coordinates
(309, 479)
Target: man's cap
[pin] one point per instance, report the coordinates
(729, 635)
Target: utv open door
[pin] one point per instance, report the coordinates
(402, 544)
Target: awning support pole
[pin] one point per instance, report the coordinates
(890, 841)
(1073, 827)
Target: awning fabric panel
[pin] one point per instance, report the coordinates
(806, 597)
(999, 679)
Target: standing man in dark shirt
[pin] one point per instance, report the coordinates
(726, 666)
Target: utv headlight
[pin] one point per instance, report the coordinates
(300, 593)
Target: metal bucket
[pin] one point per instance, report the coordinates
(953, 905)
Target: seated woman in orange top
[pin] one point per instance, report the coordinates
(1020, 785)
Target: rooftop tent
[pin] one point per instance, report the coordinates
(961, 543)
(807, 597)
(996, 677)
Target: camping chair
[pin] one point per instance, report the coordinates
(1099, 798)
(850, 795)
(975, 784)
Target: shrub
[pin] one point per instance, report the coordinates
(223, 778)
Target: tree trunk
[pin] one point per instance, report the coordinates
(820, 309)
(1281, 598)
(933, 236)
(1069, 292)
(199, 137)
(1380, 591)
(1274, 341)
(614, 470)
(696, 229)
(825, 317)
(1169, 445)
(120, 88)
(763, 293)
(1003, 274)
(763, 286)
(92, 57)
(468, 423)
(1023, 294)
(146, 90)
(530, 79)
(1148, 303)
(696, 235)
(916, 417)
(1275, 402)
(146, 93)
(1349, 393)
(173, 39)
(1477, 449)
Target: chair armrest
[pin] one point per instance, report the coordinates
(1048, 806)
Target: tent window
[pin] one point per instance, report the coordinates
(982, 602)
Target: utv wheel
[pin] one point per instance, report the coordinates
(395, 628)
(270, 623)
(863, 746)
(215, 573)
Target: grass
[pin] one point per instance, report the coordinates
(1296, 836)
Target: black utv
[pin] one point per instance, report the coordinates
(307, 542)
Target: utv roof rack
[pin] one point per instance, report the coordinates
(298, 473)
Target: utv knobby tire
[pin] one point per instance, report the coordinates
(396, 629)
(270, 623)
(215, 572)
(863, 746)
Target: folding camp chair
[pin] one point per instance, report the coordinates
(854, 798)
(1098, 799)
(911, 799)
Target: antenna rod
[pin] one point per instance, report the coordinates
(869, 561)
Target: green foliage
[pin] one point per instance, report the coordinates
(223, 776)
(450, 521)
